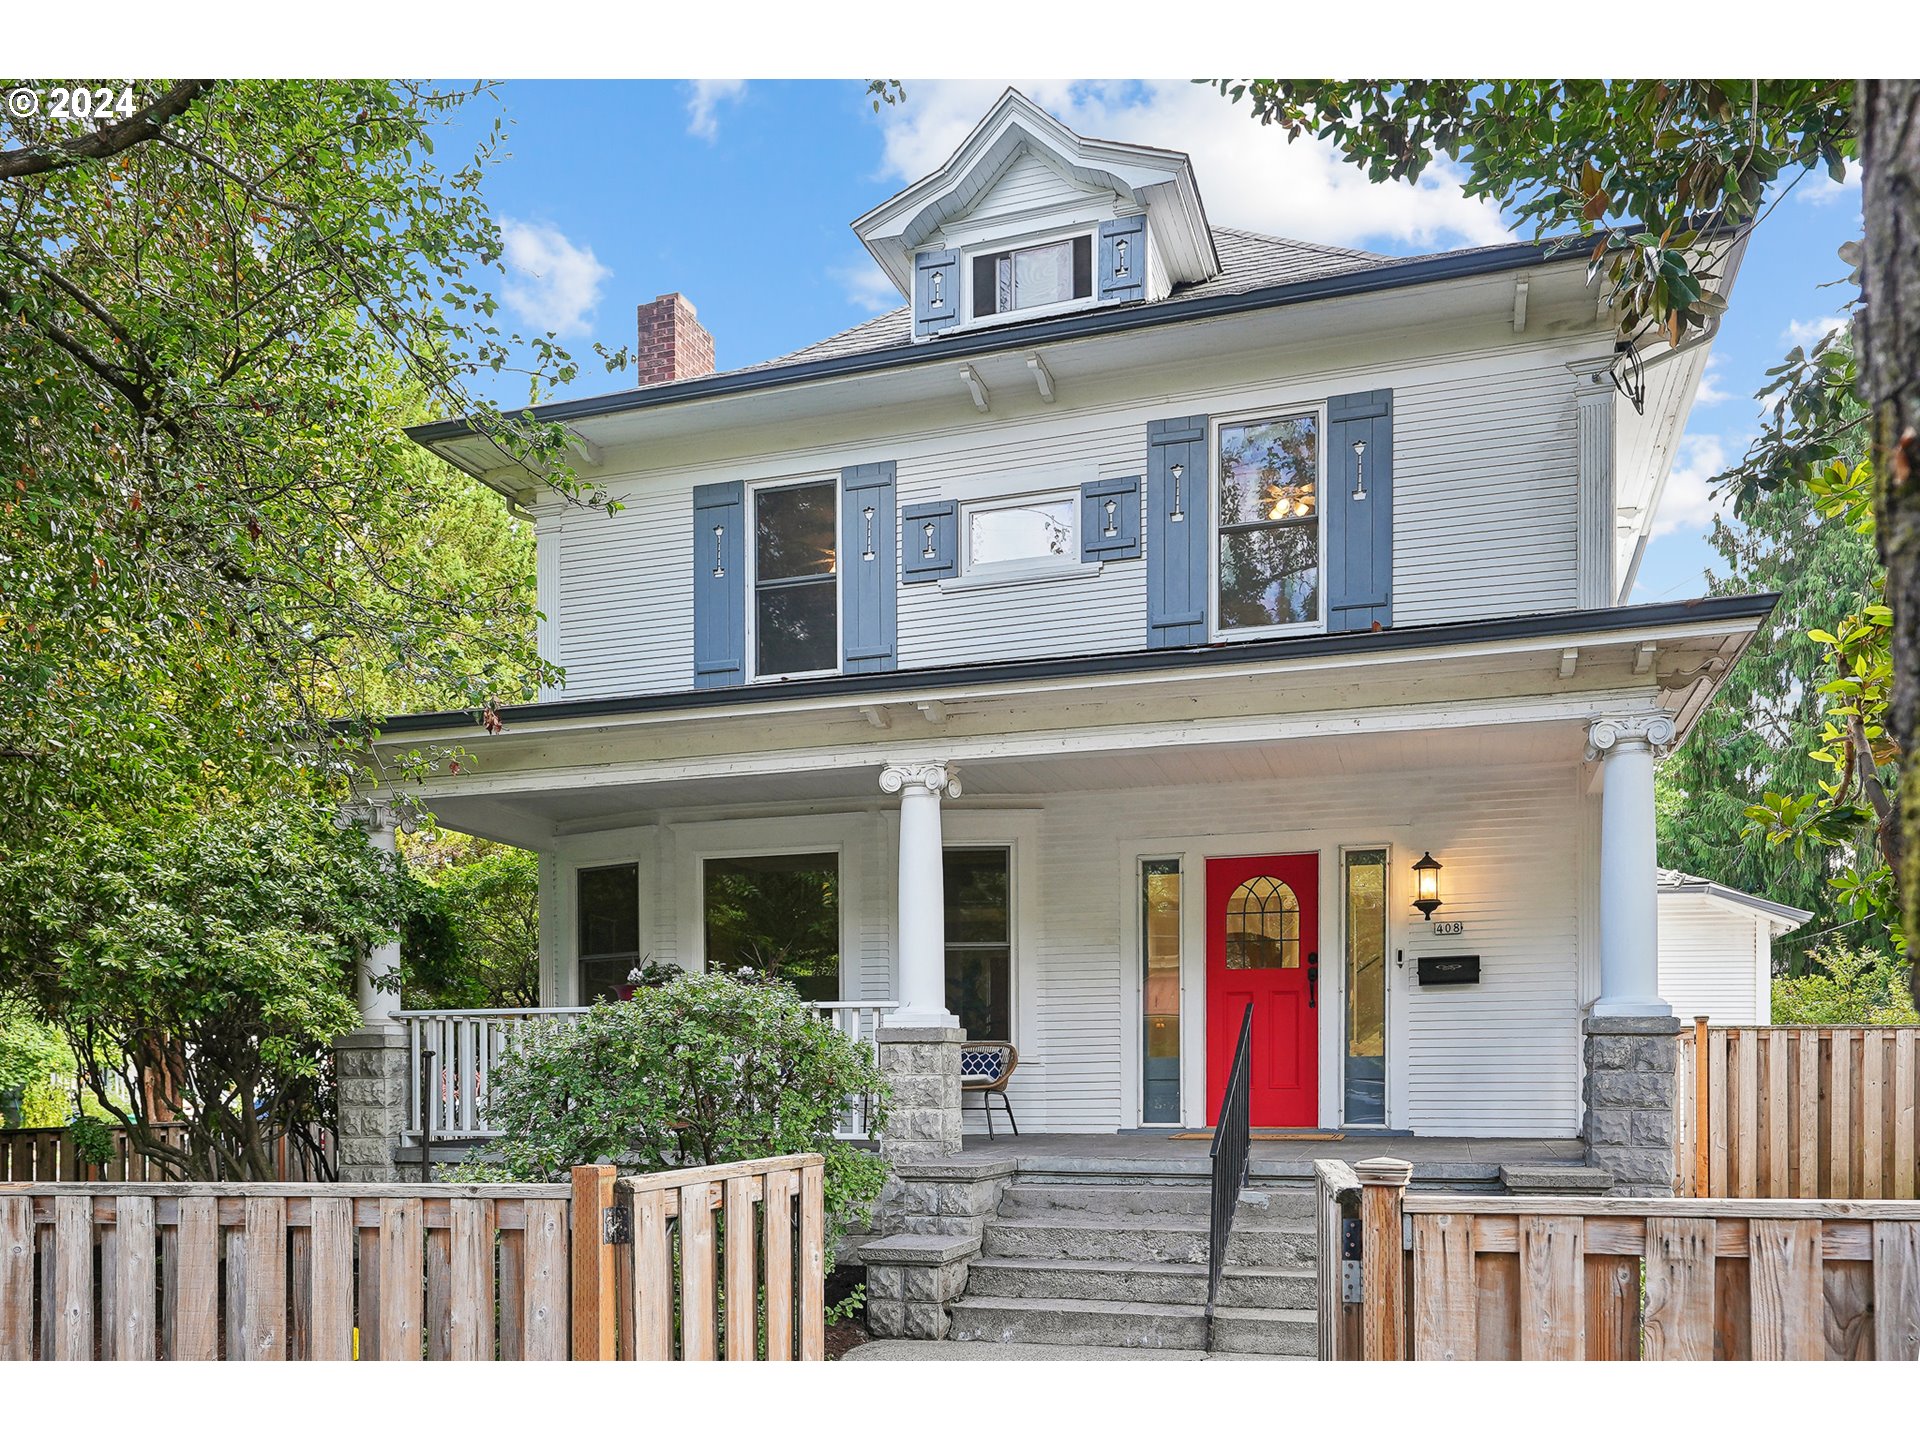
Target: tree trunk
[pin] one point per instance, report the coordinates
(1889, 359)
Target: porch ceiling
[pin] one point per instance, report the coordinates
(530, 817)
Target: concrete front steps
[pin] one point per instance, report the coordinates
(1071, 1263)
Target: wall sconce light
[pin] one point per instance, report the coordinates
(1426, 884)
(1359, 470)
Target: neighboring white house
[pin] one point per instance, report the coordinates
(1108, 632)
(1716, 949)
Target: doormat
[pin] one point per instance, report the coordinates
(1270, 1135)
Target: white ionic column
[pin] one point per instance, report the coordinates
(922, 903)
(1625, 746)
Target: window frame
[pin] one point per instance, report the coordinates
(695, 925)
(575, 921)
(1016, 569)
(1012, 945)
(1069, 233)
(751, 549)
(1392, 965)
(1280, 411)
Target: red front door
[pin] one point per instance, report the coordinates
(1263, 949)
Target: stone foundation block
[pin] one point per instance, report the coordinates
(911, 1282)
(922, 1070)
(1630, 1092)
(371, 1066)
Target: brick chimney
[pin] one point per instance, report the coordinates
(674, 345)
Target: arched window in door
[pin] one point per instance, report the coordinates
(1263, 926)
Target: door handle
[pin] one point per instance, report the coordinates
(1313, 979)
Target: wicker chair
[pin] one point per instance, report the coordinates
(985, 1068)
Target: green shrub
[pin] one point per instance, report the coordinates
(704, 1070)
(1846, 987)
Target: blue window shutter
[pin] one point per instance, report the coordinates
(1123, 259)
(1110, 533)
(1360, 531)
(933, 527)
(867, 556)
(936, 292)
(719, 585)
(1178, 511)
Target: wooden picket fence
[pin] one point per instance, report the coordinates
(141, 1271)
(1798, 1111)
(1428, 1275)
(49, 1155)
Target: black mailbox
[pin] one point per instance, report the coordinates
(1449, 969)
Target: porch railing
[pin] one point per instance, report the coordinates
(467, 1044)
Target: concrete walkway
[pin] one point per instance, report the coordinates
(884, 1350)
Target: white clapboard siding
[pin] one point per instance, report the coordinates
(1500, 1058)
(1028, 184)
(1485, 516)
(1710, 961)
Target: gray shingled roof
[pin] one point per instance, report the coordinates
(1248, 261)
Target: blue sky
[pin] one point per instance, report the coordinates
(739, 195)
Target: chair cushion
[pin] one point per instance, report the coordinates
(979, 1065)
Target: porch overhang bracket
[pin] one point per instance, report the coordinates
(1042, 377)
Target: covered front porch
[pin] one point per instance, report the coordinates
(1040, 862)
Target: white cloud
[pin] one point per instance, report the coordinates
(1688, 503)
(1711, 391)
(1809, 332)
(867, 287)
(703, 103)
(552, 283)
(1822, 190)
(1251, 177)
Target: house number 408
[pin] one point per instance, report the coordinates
(1449, 927)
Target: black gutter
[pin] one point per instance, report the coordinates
(950, 677)
(1453, 266)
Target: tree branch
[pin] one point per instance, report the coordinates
(136, 129)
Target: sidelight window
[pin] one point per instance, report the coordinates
(1364, 887)
(1160, 992)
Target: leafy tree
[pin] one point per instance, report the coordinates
(199, 965)
(1761, 733)
(215, 316)
(475, 942)
(1846, 986)
(703, 1071)
(1650, 174)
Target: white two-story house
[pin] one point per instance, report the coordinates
(1145, 620)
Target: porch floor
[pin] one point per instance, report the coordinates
(1436, 1159)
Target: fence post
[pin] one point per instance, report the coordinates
(1702, 1112)
(593, 1259)
(1383, 1308)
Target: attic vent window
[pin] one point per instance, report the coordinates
(1057, 273)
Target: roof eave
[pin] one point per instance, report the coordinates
(1424, 270)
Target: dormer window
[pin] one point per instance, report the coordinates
(1033, 277)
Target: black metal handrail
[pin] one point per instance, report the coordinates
(1232, 1146)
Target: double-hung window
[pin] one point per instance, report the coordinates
(796, 587)
(1269, 541)
(1032, 276)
